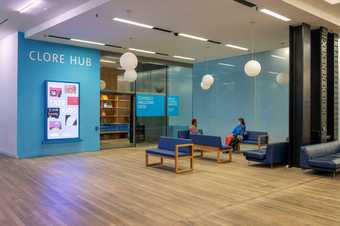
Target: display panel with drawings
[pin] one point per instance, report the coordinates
(62, 111)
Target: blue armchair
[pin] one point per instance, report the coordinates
(273, 154)
(256, 138)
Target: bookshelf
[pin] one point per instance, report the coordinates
(115, 111)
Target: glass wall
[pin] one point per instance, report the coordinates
(151, 120)
(180, 88)
(262, 100)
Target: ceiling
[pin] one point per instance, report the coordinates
(225, 21)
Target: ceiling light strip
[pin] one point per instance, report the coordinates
(87, 42)
(29, 5)
(184, 58)
(142, 51)
(227, 65)
(236, 47)
(274, 14)
(133, 23)
(108, 61)
(193, 37)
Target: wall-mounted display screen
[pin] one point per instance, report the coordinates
(148, 105)
(151, 105)
(173, 105)
(62, 111)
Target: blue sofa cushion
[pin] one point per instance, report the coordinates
(255, 154)
(316, 151)
(249, 141)
(168, 153)
(212, 141)
(329, 162)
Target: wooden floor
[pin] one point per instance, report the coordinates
(115, 188)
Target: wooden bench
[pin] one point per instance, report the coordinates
(205, 143)
(172, 148)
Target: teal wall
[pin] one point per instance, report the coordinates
(261, 100)
(33, 72)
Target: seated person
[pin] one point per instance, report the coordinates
(238, 133)
(193, 129)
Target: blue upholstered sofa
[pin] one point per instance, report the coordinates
(185, 134)
(205, 143)
(173, 148)
(321, 157)
(273, 154)
(256, 137)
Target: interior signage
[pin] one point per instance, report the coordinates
(62, 111)
(57, 58)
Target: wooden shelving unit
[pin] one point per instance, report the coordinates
(115, 110)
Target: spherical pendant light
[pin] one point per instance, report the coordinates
(282, 79)
(130, 75)
(252, 68)
(208, 80)
(128, 61)
(204, 86)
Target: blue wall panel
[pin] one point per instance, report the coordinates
(41, 61)
(261, 100)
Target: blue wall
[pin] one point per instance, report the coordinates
(31, 76)
(261, 100)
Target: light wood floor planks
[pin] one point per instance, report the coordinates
(115, 188)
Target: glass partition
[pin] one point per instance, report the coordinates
(262, 100)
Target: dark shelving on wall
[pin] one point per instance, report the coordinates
(332, 97)
(319, 40)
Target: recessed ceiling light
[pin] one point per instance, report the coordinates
(278, 57)
(236, 47)
(142, 51)
(333, 2)
(227, 65)
(193, 37)
(87, 42)
(132, 23)
(108, 61)
(29, 5)
(274, 14)
(184, 58)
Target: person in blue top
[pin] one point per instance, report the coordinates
(238, 133)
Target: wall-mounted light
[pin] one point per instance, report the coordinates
(29, 5)
(278, 57)
(226, 65)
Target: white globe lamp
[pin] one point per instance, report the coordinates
(208, 80)
(252, 68)
(282, 79)
(130, 75)
(128, 61)
(204, 86)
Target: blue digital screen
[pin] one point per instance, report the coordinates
(148, 105)
(173, 105)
